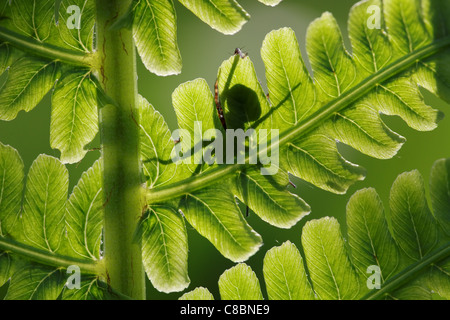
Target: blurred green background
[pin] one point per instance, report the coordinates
(203, 50)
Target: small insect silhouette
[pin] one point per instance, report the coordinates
(219, 108)
(239, 52)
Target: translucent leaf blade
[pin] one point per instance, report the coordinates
(334, 70)
(155, 35)
(404, 23)
(197, 118)
(9, 264)
(29, 79)
(225, 16)
(239, 283)
(369, 238)
(371, 48)
(269, 199)
(216, 216)
(35, 282)
(361, 128)
(11, 188)
(440, 193)
(401, 97)
(271, 3)
(156, 146)
(165, 249)
(197, 294)
(74, 117)
(285, 275)
(76, 19)
(8, 54)
(45, 203)
(413, 225)
(90, 289)
(243, 100)
(331, 271)
(316, 160)
(84, 214)
(34, 18)
(291, 89)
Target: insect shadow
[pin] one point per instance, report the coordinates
(243, 109)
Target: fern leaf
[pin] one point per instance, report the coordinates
(155, 34)
(165, 249)
(46, 232)
(226, 16)
(234, 287)
(74, 117)
(407, 263)
(198, 294)
(55, 45)
(341, 101)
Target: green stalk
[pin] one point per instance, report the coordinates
(409, 273)
(48, 51)
(120, 147)
(50, 259)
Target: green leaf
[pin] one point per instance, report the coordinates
(342, 102)
(155, 35)
(440, 193)
(84, 214)
(35, 282)
(45, 204)
(440, 280)
(196, 117)
(291, 88)
(331, 271)
(243, 100)
(29, 79)
(362, 128)
(285, 275)
(74, 118)
(239, 283)
(315, 159)
(271, 3)
(165, 248)
(90, 289)
(225, 16)
(197, 294)
(77, 37)
(368, 234)
(402, 17)
(414, 226)
(8, 55)
(156, 146)
(33, 18)
(380, 51)
(270, 199)
(5, 266)
(8, 266)
(11, 186)
(382, 259)
(334, 70)
(45, 233)
(216, 216)
(401, 97)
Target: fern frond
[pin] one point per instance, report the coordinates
(409, 262)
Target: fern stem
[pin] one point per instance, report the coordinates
(119, 133)
(191, 184)
(410, 272)
(40, 49)
(47, 258)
